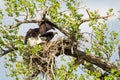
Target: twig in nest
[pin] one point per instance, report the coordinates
(72, 49)
(30, 64)
(62, 48)
(52, 67)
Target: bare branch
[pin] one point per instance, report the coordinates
(88, 12)
(26, 16)
(119, 51)
(26, 21)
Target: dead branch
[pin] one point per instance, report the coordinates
(87, 10)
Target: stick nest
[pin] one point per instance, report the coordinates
(44, 60)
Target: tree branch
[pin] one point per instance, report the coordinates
(84, 20)
(100, 17)
(8, 51)
(26, 21)
(105, 65)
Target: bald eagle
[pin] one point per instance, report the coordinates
(41, 32)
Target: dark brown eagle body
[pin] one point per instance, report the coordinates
(48, 35)
(42, 31)
(46, 26)
(31, 33)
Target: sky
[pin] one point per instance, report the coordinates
(101, 5)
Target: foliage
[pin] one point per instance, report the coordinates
(65, 14)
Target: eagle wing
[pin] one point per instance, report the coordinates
(46, 26)
(48, 35)
(31, 33)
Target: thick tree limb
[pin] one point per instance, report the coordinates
(105, 65)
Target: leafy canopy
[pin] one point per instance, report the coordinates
(65, 13)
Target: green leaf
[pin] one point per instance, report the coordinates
(111, 10)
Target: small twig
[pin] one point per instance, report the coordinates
(88, 13)
(30, 64)
(26, 16)
(52, 66)
(119, 51)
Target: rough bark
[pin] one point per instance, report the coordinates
(105, 65)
